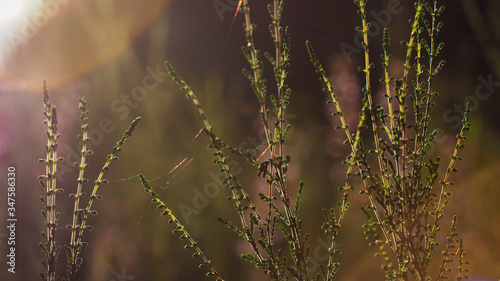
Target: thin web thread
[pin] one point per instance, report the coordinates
(175, 168)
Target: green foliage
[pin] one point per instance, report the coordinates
(256, 227)
(48, 182)
(406, 193)
(179, 228)
(406, 189)
(401, 189)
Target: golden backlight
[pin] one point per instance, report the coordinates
(63, 40)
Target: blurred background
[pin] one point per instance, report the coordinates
(113, 53)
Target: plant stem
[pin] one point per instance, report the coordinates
(49, 213)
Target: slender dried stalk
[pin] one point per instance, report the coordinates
(77, 244)
(48, 182)
(74, 261)
(49, 212)
(179, 228)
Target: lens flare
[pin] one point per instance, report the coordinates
(9, 8)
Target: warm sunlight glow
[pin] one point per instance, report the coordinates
(9, 8)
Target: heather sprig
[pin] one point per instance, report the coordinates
(239, 195)
(74, 262)
(354, 140)
(216, 144)
(407, 195)
(48, 181)
(400, 178)
(81, 216)
(179, 228)
(257, 228)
